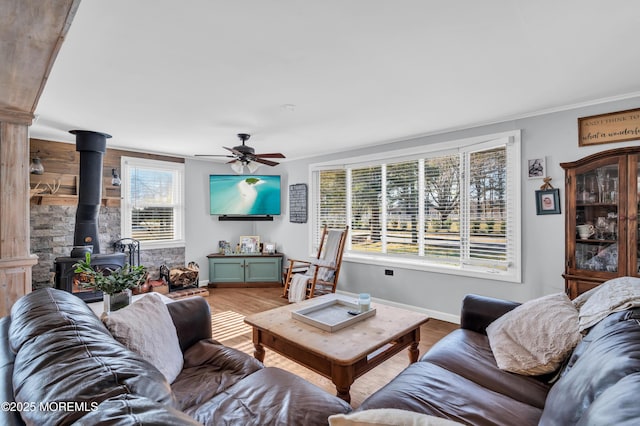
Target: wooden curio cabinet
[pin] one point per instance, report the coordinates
(601, 219)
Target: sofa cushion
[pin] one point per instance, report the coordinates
(210, 368)
(468, 354)
(146, 328)
(270, 396)
(388, 416)
(536, 337)
(426, 388)
(72, 357)
(598, 368)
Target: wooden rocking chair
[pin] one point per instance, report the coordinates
(320, 275)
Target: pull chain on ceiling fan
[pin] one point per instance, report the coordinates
(244, 155)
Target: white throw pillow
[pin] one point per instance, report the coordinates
(388, 416)
(146, 328)
(618, 294)
(535, 337)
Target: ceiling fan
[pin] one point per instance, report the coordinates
(244, 155)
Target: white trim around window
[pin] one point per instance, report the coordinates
(465, 244)
(154, 189)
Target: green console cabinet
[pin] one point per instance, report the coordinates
(238, 270)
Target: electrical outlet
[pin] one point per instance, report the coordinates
(388, 272)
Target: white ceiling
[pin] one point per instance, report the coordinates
(310, 77)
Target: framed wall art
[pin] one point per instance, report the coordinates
(608, 128)
(298, 203)
(548, 201)
(537, 168)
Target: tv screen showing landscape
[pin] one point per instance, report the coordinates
(244, 195)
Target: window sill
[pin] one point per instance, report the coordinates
(512, 276)
(151, 245)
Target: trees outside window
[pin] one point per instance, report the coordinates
(441, 208)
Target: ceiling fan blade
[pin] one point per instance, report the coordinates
(271, 155)
(267, 162)
(235, 151)
(213, 155)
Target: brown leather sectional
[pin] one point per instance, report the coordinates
(458, 378)
(56, 352)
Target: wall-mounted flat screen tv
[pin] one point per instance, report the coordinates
(244, 195)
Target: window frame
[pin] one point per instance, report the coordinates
(178, 170)
(416, 262)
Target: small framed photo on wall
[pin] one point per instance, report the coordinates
(537, 168)
(548, 201)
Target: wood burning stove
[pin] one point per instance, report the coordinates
(68, 280)
(91, 146)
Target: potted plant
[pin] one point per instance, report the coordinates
(115, 285)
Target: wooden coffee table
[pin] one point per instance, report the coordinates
(343, 355)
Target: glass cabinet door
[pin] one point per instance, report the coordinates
(597, 219)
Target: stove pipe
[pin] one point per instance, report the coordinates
(92, 146)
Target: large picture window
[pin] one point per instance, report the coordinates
(453, 208)
(153, 205)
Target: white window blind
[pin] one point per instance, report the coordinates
(152, 201)
(442, 236)
(366, 209)
(451, 208)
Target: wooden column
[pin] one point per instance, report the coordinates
(15, 258)
(32, 32)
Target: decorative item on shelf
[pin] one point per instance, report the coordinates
(36, 190)
(547, 199)
(55, 187)
(249, 244)
(224, 247)
(585, 231)
(269, 248)
(115, 178)
(36, 167)
(115, 285)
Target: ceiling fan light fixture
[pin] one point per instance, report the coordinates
(252, 166)
(236, 166)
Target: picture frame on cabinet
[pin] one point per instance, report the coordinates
(249, 243)
(268, 248)
(548, 201)
(537, 168)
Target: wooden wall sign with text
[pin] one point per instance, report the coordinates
(607, 128)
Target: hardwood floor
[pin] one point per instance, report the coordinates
(229, 306)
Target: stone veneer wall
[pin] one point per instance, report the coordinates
(52, 236)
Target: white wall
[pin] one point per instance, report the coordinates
(203, 231)
(554, 136)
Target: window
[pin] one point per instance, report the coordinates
(452, 208)
(152, 204)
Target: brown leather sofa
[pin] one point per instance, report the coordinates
(60, 365)
(458, 378)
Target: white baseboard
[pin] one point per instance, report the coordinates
(443, 316)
